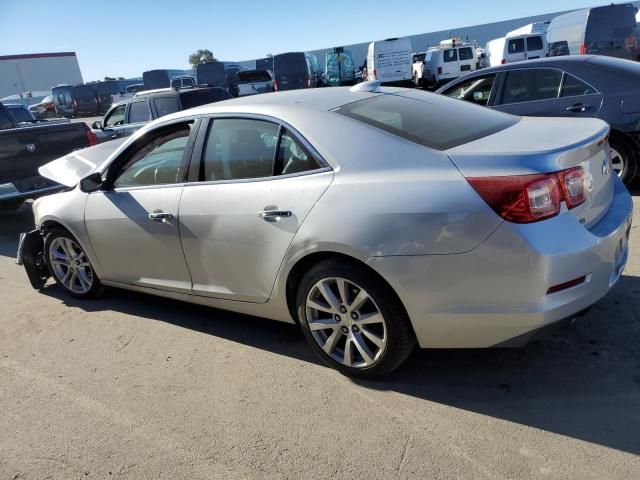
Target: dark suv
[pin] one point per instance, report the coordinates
(125, 118)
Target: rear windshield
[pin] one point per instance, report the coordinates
(534, 43)
(433, 121)
(610, 22)
(289, 63)
(20, 114)
(253, 76)
(196, 98)
(465, 53)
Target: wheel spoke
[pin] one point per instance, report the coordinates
(318, 306)
(362, 348)
(85, 282)
(359, 301)
(328, 295)
(59, 255)
(70, 248)
(63, 262)
(376, 340)
(342, 290)
(72, 280)
(347, 352)
(323, 324)
(370, 319)
(332, 341)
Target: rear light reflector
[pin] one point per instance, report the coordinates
(603, 141)
(91, 137)
(583, 49)
(504, 61)
(531, 198)
(567, 285)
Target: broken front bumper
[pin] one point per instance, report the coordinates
(31, 257)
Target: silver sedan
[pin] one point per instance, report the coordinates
(377, 219)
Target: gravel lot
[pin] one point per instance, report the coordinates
(137, 387)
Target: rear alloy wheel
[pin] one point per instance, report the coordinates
(353, 322)
(70, 266)
(623, 159)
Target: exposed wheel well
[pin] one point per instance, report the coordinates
(51, 224)
(306, 263)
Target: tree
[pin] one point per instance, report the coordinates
(201, 56)
(106, 79)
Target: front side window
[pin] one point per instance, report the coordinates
(529, 85)
(239, 149)
(573, 87)
(465, 53)
(166, 105)
(534, 44)
(158, 161)
(516, 45)
(476, 90)
(451, 55)
(139, 112)
(115, 117)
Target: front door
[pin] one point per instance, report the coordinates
(133, 224)
(239, 220)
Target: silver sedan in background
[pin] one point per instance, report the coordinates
(377, 219)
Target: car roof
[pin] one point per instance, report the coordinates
(540, 62)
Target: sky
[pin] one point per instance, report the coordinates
(125, 38)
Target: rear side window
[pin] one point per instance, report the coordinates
(197, 98)
(531, 84)
(558, 49)
(465, 53)
(5, 121)
(166, 105)
(20, 114)
(534, 43)
(434, 121)
(451, 55)
(573, 87)
(516, 45)
(139, 112)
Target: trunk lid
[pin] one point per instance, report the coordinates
(72, 168)
(545, 145)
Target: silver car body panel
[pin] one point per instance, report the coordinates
(466, 277)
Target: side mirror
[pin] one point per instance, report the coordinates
(92, 183)
(97, 125)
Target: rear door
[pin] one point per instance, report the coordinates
(516, 50)
(467, 59)
(536, 47)
(257, 182)
(547, 92)
(450, 64)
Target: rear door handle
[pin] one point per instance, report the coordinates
(160, 216)
(578, 108)
(274, 215)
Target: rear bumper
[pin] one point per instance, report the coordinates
(496, 295)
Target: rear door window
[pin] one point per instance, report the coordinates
(516, 45)
(139, 112)
(451, 55)
(436, 122)
(534, 43)
(465, 53)
(574, 87)
(530, 85)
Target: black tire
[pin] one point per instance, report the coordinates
(95, 289)
(627, 151)
(399, 333)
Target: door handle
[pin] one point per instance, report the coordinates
(160, 217)
(578, 108)
(274, 215)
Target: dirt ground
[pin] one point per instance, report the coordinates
(136, 387)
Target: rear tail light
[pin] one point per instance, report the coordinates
(91, 137)
(439, 70)
(531, 198)
(504, 61)
(375, 74)
(567, 285)
(583, 49)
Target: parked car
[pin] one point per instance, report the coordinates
(63, 100)
(46, 108)
(211, 74)
(75, 100)
(129, 92)
(516, 48)
(340, 68)
(293, 71)
(575, 86)
(390, 61)
(126, 118)
(107, 89)
(450, 245)
(26, 146)
(252, 82)
(609, 30)
(446, 62)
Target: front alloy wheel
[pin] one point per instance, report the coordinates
(346, 323)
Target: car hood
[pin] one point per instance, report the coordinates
(72, 168)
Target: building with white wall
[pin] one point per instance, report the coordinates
(37, 72)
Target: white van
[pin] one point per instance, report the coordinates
(390, 61)
(516, 48)
(451, 59)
